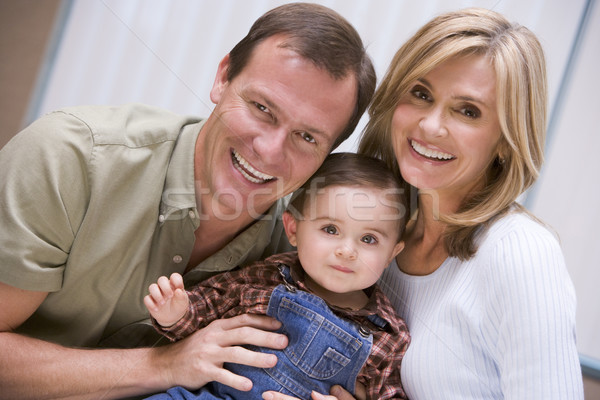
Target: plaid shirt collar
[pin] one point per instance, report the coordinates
(374, 306)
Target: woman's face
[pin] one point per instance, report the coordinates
(445, 130)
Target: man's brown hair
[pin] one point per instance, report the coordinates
(318, 34)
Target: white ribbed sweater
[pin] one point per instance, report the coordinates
(499, 326)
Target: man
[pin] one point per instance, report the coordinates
(97, 202)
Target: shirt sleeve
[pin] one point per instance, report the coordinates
(225, 295)
(381, 375)
(532, 308)
(43, 196)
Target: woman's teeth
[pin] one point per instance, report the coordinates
(433, 154)
(248, 171)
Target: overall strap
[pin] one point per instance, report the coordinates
(377, 321)
(286, 274)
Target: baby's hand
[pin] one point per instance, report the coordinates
(167, 301)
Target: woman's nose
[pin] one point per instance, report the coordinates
(433, 123)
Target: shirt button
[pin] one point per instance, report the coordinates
(177, 259)
(161, 218)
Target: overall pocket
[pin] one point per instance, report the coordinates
(320, 343)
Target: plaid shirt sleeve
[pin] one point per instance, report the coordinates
(244, 290)
(381, 373)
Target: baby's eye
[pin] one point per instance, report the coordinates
(369, 239)
(330, 230)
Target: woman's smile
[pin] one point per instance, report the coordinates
(433, 155)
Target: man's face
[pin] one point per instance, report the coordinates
(272, 127)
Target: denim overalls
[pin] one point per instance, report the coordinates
(323, 350)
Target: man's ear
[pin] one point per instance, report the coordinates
(220, 80)
(289, 224)
(397, 249)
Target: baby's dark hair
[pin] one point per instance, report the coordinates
(350, 169)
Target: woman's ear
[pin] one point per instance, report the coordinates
(502, 151)
(289, 224)
(221, 80)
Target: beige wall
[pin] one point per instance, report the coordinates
(25, 26)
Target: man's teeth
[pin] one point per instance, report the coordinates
(424, 151)
(248, 171)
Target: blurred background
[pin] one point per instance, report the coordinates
(57, 53)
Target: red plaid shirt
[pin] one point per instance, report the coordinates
(248, 290)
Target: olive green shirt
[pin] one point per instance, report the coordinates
(95, 204)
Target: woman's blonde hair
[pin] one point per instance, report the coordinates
(518, 60)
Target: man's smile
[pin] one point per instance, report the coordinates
(248, 171)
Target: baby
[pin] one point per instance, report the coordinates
(346, 223)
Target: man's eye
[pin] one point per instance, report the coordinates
(369, 239)
(330, 230)
(308, 137)
(261, 107)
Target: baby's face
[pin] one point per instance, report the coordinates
(348, 236)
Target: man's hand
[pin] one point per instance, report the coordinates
(198, 359)
(34, 369)
(167, 301)
(280, 396)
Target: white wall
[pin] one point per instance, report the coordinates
(567, 195)
(165, 53)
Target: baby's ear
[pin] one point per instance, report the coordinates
(397, 249)
(289, 224)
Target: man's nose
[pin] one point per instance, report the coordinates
(270, 145)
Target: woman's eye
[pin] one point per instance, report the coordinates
(330, 230)
(421, 93)
(471, 112)
(308, 137)
(369, 239)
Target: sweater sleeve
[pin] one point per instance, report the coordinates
(531, 312)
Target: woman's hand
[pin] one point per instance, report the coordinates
(336, 393)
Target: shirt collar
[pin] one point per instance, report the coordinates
(374, 305)
(247, 246)
(179, 191)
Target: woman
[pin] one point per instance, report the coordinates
(482, 285)
(461, 115)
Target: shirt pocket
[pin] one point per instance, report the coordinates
(318, 346)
